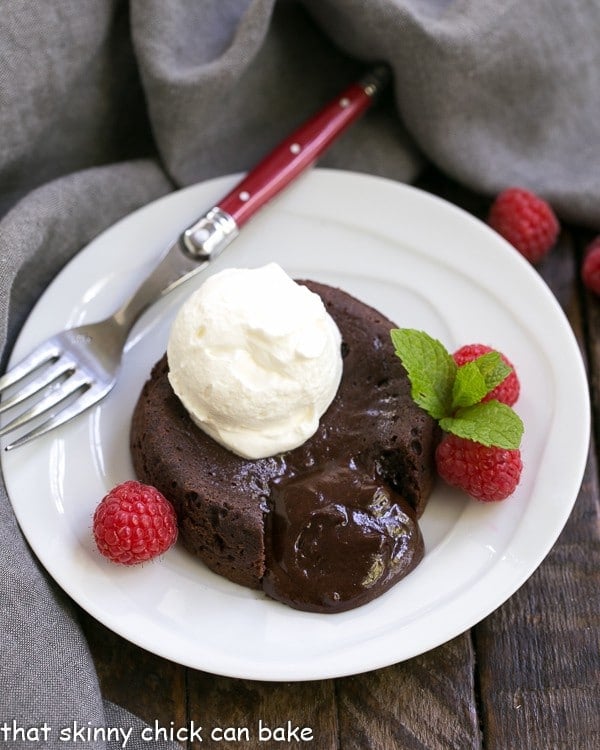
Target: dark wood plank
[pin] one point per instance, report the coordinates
(276, 708)
(426, 703)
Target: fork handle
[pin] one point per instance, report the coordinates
(207, 237)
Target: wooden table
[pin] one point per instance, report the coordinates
(527, 677)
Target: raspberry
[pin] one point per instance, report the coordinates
(590, 270)
(486, 473)
(526, 221)
(508, 390)
(134, 522)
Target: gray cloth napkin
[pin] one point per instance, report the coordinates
(105, 105)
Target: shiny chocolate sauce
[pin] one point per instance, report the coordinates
(336, 538)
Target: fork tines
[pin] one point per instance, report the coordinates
(54, 377)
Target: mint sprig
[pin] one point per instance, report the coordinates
(453, 395)
(430, 370)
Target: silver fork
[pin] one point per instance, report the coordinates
(73, 370)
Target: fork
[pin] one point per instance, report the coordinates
(76, 368)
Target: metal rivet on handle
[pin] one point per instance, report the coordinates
(244, 195)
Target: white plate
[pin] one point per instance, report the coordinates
(424, 263)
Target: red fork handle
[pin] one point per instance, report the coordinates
(210, 234)
(297, 152)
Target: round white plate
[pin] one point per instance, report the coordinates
(425, 264)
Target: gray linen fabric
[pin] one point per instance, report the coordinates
(107, 104)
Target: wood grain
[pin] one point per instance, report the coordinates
(275, 714)
(426, 702)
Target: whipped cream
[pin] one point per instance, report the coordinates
(255, 359)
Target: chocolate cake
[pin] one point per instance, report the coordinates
(327, 526)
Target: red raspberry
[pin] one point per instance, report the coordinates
(526, 221)
(590, 270)
(508, 390)
(487, 474)
(133, 523)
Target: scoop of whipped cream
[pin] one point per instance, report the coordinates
(255, 358)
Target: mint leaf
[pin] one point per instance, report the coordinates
(475, 379)
(489, 423)
(469, 386)
(430, 368)
(493, 368)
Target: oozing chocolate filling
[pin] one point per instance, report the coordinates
(335, 538)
